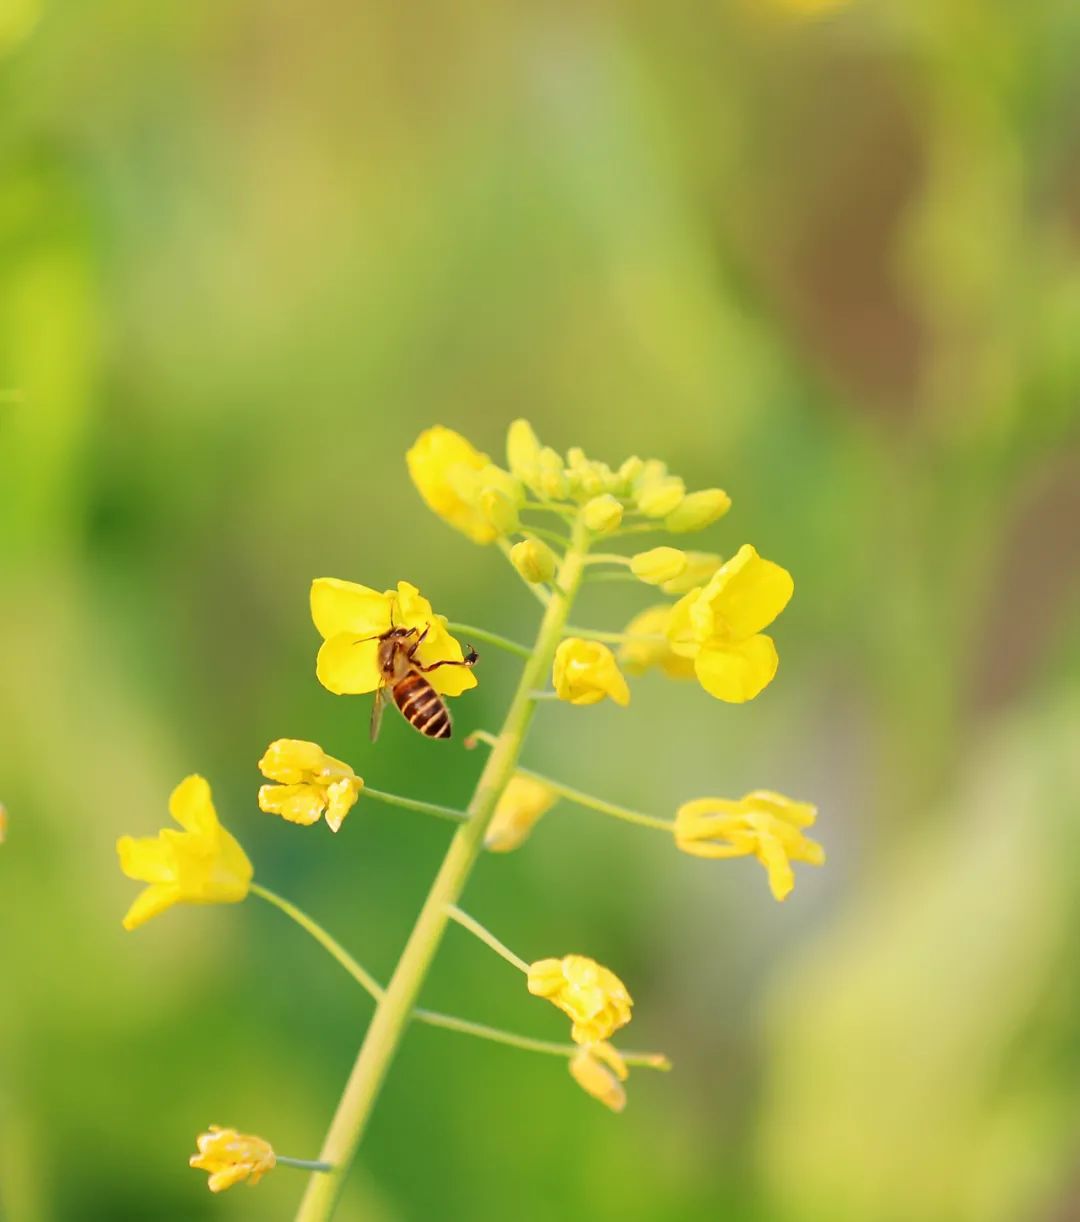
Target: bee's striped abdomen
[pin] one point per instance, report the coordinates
(422, 706)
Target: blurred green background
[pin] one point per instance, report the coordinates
(829, 261)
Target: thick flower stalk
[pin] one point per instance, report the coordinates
(560, 521)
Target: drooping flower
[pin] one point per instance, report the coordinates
(230, 1157)
(763, 824)
(452, 477)
(202, 864)
(351, 618)
(719, 625)
(310, 783)
(601, 1071)
(524, 801)
(595, 999)
(586, 671)
(647, 645)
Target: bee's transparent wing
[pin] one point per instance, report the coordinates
(376, 713)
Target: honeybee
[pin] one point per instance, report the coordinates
(418, 702)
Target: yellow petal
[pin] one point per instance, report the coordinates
(440, 646)
(743, 596)
(192, 807)
(146, 859)
(448, 473)
(348, 666)
(737, 672)
(303, 804)
(774, 859)
(292, 760)
(341, 798)
(585, 672)
(345, 607)
(150, 903)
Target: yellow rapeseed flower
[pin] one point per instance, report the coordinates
(452, 477)
(764, 824)
(310, 783)
(202, 864)
(586, 671)
(351, 618)
(719, 625)
(594, 999)
(647, 645)
(230, 1157)
(601, 1071)
(524, 801)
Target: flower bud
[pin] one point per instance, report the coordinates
(698, 510)
(524, 801)
(658, 565)
(585, 672)
(659, 499)
(629, 471)
(551, 481)
(522, 450)
(534, 560)
(500, 511)
(602, 514)
(700, 566)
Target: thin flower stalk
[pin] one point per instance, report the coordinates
(486, 936)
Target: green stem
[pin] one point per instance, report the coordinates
(615, 638)
(486, 936)
(623, 576)
(425, 808)
(649, 1060)
(550, 535)
(359, 974)
(608, 558)
(491, 638)
(392, 1013)
(305, 1164)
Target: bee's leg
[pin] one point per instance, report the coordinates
(470, 659)
(411, 654)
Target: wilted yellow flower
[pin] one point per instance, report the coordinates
(203, 864)
(719, 625)
(310, 782)
(594, 999)
(534, 560)
(230, 1157)
(602, 514)
(351, 618)
(523, 802)
(647, 645)
(658, 565)
(452, 476)
(764, 824)
(586, 671)
(601, 1071)
(698, 510)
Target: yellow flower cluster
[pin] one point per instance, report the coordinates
(230, 1157)
(763, 824)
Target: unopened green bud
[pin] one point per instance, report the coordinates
(534, 560)
(698, 510)
(658, 565)
(602, 514)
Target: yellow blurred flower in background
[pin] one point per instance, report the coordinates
(310, 782)
(202, 864)
(601, 1071)
(647, 645)
(763, 824)
(350, 618)
(719, 625)
(586, 671)
(595, 999)
(452, 477)
(523, 803)
(230, 1157)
